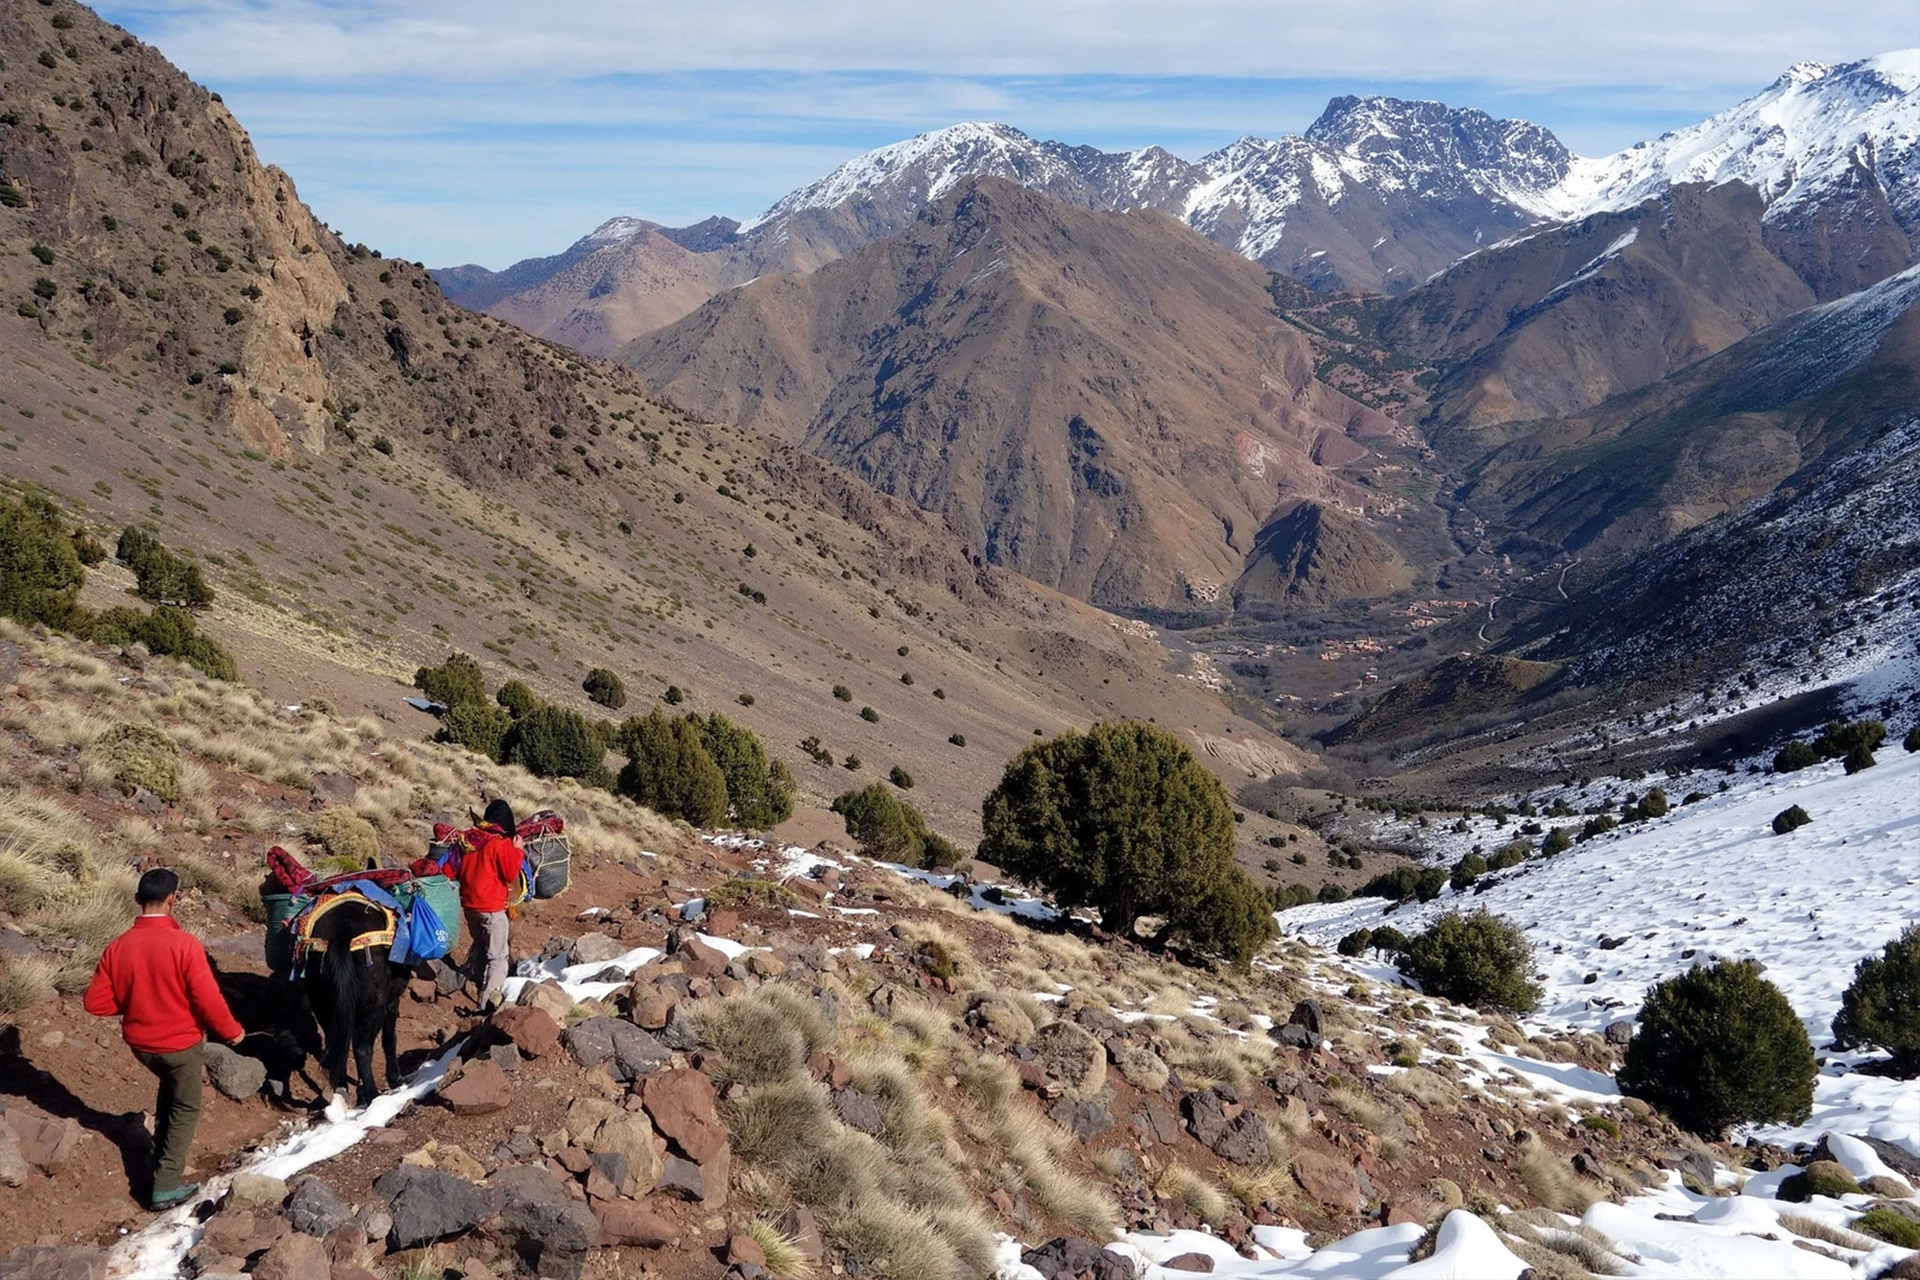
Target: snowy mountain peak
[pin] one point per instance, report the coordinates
(615, 229)
(932, 161)
(1802, 73)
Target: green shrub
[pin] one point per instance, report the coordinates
(347, 836)
(1123, 818)
(1719, 1046)
(1885, 1224)
(1882, 1004)
(477, 727)
(556, 742)
(957, 739)
(517, 698)
(1405, 883)
(1476, 959)
(670, 770)
(1652, 805)
(1470, 868)
(842, 693)
(1794, 757)
(1601, 1124)
(1508, 855)
(1912, 741)
(1841, 738)
(1558, 840)
(870, 715)
(1331, 892)
(1283, 897)
(1859, 757)
(1355, 943)
(605, 688)
(453, 682)
(139, 755)
(173, 632)
(1790, 819)
(900, 778)
(883, 825)
(1600, 824)
(1389, 939)
(40, 570)
(674, 695)
(162, 577)
(759, 793)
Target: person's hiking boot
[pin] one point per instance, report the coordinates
(168, 1199)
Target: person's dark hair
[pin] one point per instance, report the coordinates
(500, 814)
(156, 886)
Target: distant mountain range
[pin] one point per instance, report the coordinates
(1377, 195)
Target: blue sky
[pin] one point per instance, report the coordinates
(491, 130)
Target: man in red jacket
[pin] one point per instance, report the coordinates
(487, 875)
(156, 979)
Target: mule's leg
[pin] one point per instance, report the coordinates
(389, 1022)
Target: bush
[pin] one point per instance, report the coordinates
(885, 826)
(1355, 943)
(1882, 1005)
(1331, 892)
(517, 698)
(139, 755)
(40, 570)
(1840, 739)
(670, 770)
(900, 778)
(1597, 825)
(1405, 883)
(870, 715)
(674, 695)
(1794, 757)
(162, 577)
(1886, 1224)
(1508, 855)
(347, 836)
(1652, 805)
(842, 693)
(1389, 939)
(1559, 840)
(1476, 959)
(169, 631)
(1123, 818)
(1719, 1046)
(759, 793)
(477, 727)
(1859, 757)
(1466, 871)
(1912, 741)
(1283, 897)
(957, 739)
(1791, 819)
(453, 682)
(555, 742)
(605, 688)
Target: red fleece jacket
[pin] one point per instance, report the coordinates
(155, 976)
(488, 873)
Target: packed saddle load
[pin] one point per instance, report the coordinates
(420, 906)
(548, 868)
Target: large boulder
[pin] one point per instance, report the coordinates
(682, 1105)
(530, 1030)
(294, 1257)
(595, 948)
(626, 1051)
(1071, 1057)
(549, 1231)
(428, 1205)
(600, 1126)
(549, 996)
(315, 1209)
(255, 1191)
(481, 1088)
(46, 1142)
(1328, 1179)
(624, 1223)
(234, 1074)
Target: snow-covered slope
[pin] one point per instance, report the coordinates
(1808, 134)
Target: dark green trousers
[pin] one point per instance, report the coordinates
(176, 1111)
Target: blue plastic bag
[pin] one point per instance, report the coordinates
(427, 936)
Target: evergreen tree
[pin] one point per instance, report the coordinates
(40, 572)
(759, 792)
(1882, 1005)
(555, 742)
(670, 771)
(453, 682)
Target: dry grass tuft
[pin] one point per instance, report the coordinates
(1552, 1181)
(784, 1258)
(1429, 1089)
(24, 982)
(1266, 1184)
(1812, 1229)
(1361, 1108)
(1032, 1144)
(765, 1035)
(1208, 1202)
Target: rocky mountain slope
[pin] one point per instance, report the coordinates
(371, 476)
(1104, 403)
(1378, 193)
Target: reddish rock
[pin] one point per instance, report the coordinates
(743, 1248)
(681, 1104)
(723, 923)
(1189, 1262)
(482, 1089)
(699, 959)
(652, 1006)
(550, 996)
(1400, 1213)
(830, 1070)
(531, 1030)
(624, 1223)
(575, 1160)
(295, 1257)
(599, 1187)
(1328, 1179)
(46, 1143)
(239, 1233)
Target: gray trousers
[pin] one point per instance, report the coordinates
(487, 959)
